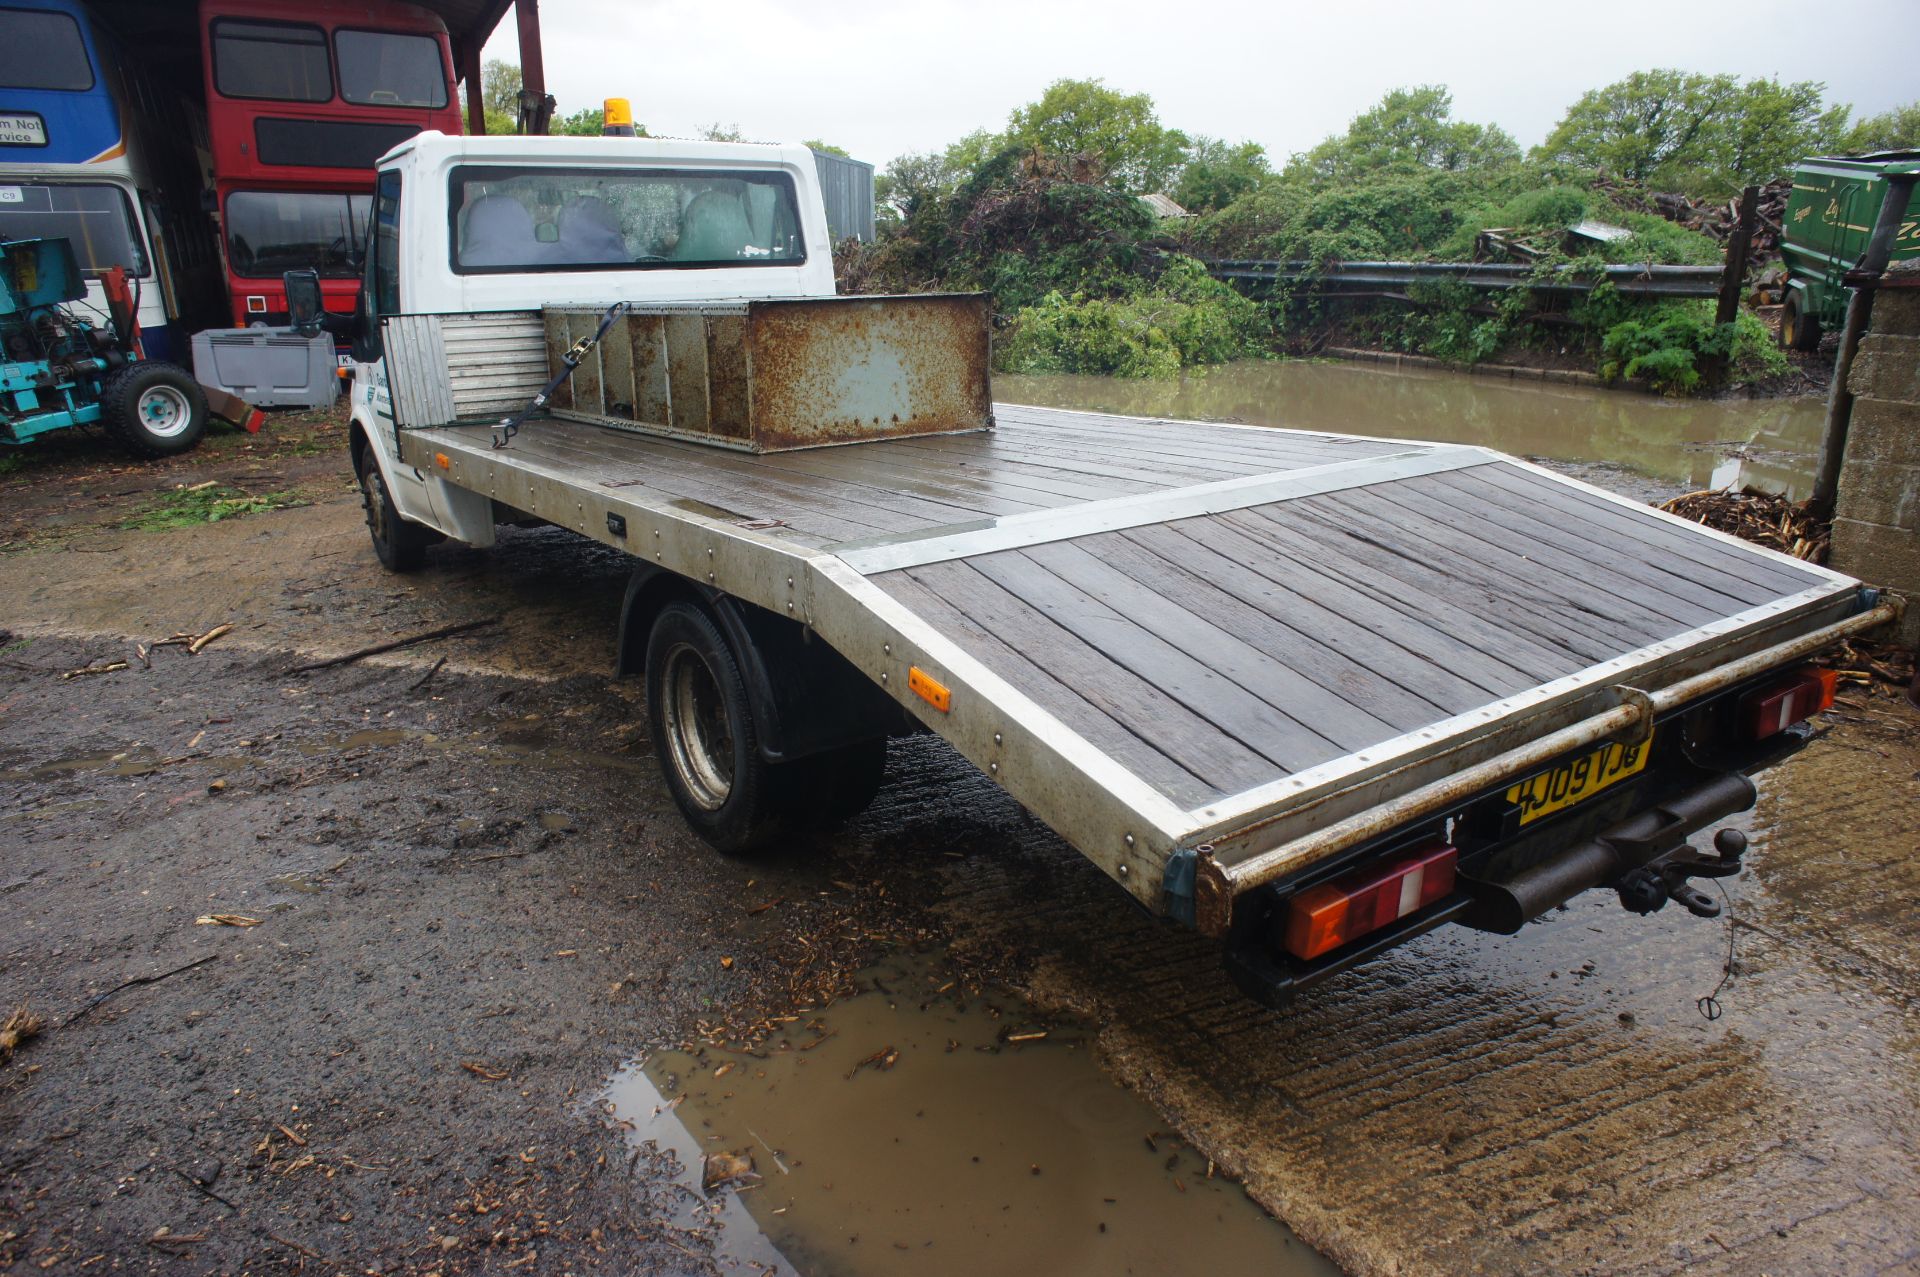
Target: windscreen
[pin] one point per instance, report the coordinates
(269, 232)
(276, 61)
(96, 219)
(384, 68)
(534, 219)
(42, 51)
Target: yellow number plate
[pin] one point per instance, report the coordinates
(1578, 781)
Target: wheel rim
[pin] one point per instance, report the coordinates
(164, 412)
(699, 736)
(373, 498)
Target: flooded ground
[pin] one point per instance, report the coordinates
(1686, 444)
(925, 1126)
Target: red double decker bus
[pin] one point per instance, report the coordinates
(301, 100)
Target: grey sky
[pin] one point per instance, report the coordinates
(881, 80)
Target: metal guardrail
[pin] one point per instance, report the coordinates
(1628, 280)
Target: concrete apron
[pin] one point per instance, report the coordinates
(1555, 1101)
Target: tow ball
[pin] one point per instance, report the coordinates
(1648, 888)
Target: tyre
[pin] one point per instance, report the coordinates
(705, 740)
(1798, 330)
(157, 409)
(400, 544)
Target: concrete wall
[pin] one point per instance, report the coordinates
(1876, 528)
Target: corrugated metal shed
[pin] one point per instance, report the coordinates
(1161, 204)
(847, 185)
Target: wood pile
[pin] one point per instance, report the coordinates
(1720, 219)
(1764, 518)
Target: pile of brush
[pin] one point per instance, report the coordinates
(1764, 518)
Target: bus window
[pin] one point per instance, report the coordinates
(274, 60)
(384, 68)
(96, 219)
(270, 232)
(42, 51)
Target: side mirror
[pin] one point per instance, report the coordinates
(304, 308)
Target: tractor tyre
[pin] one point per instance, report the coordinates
(157, 409)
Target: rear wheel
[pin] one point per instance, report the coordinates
(841, 783)
(400, 544)
(1798, 330)
(157, 409)
(704, 736)
(708, 746)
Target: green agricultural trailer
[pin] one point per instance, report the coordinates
(1830, 215)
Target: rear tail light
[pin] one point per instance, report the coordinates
(1770, 710)
(1323, 918)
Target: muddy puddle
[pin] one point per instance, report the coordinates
(920, 1127)
(1769, 443)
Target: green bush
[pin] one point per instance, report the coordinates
(1669, 344)
(1186, 318)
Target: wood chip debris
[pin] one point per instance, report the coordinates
(225, 920)
(480, 1070)
(727, 1168)
(880, 1060)
(21, 1023)
(1764, 518)
(108, 668)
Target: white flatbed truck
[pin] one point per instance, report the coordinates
(1312, 694)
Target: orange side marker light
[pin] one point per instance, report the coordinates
(929, 689)
(442, 460)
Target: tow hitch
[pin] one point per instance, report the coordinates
(1646, 858)
(1648, 888)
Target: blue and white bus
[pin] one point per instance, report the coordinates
(91, 153)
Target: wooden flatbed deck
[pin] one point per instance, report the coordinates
(1211, 625)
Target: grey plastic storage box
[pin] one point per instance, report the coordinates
(268, 367)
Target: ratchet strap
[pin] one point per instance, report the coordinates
(510, 426)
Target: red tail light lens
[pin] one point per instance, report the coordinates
(1770, 710)
(1321, 919)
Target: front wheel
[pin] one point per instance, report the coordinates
(157, 409)
(400, 545)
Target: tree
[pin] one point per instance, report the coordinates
(586, 122)
(1660, 122)
(718, 132)
(1410, 130)
(1217, 173)
(1895, 130)
(1085, 117)
(828, 147)
(500, 95)
(1770, 126)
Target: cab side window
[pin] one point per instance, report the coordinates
(380, 281)
(383, 263)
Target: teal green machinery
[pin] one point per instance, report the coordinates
(61, 367)
(1830, 215)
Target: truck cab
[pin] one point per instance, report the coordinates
(475, 225)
